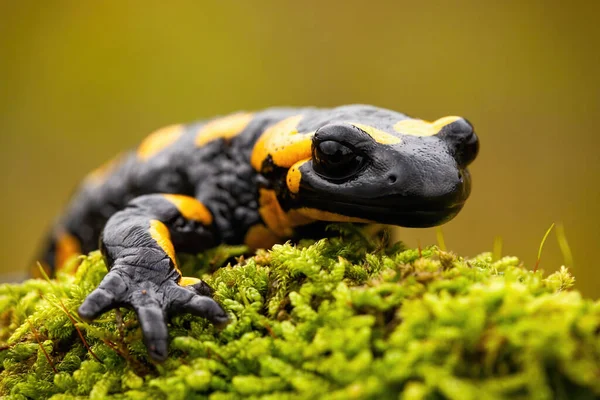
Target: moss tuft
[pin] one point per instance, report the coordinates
(338, 318)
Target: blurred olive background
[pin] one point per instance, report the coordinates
(80, 81)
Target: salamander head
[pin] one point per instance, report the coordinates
(383, 167)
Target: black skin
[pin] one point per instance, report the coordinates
(420, 182)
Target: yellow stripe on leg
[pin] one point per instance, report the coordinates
(190, 208)
(188, 281)
(160, 233)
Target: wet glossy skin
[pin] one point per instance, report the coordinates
(414, 183)
(255, 178)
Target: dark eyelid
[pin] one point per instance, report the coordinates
(358, 148)
(320, 137)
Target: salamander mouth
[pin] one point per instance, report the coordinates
(410, 216)
(409, 202)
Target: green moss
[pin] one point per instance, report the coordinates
(345, 317)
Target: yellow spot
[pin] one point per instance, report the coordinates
(99, 175)
(188, 281)
(284, 143)
(67, 246)
(277, 220)
(158, 141)
(160, 234)
(320, 215)
(223, 128)
(378, 135)
(419, 127)
(294, 176)
(260, 237)
(190, 208)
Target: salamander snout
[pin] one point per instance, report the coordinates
(461, 139)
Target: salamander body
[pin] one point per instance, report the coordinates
(256, 178)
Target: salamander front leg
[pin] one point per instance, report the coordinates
(139, 244)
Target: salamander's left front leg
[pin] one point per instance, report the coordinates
(139, 245)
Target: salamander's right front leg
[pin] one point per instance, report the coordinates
(139, 245)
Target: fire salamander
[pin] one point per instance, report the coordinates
(255, 178)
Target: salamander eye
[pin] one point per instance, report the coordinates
(334, 160)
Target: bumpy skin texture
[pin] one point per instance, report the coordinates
(254, 178)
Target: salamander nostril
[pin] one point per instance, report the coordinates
(392, 179)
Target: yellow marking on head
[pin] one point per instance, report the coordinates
(419, 127)
(158, 141)
(223, 128)
(438, 124)
(188, 281)
(67, 246)
(284, 143)
(161, 235)
(320, 215)
(190, 208)
(294, 176)
(281, 223)
(378, 135)
(99, 175)
(260, 237)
